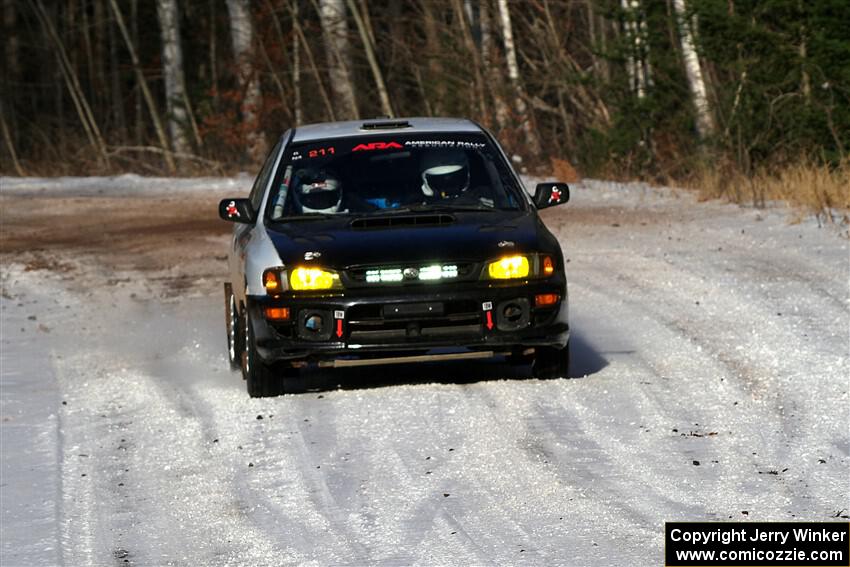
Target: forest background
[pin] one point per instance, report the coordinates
(746, 99)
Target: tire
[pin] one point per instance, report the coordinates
(234, 328)
(551, 362)
(260, 378)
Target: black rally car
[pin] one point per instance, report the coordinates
(390, 241)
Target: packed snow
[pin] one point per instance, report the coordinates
(711, 370)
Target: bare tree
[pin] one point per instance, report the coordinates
(172, 71)
(7, 137)
(302, 40)
(532, 141)
(335, 33)
(480, 98)
(11, 72)
(364, 28)
(436, 93)
(596, 30)
(242, 38)
(213, 56)
(143, 85)
(278, 77)
(116, 82)
(802, 50)
(494, 74)
(693, 70)
(72, 81)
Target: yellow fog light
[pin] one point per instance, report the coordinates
(306, 279)
(508, 268)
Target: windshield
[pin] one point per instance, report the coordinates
(392, 173)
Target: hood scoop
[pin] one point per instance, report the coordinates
(401, 221)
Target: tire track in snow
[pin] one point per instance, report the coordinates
(696, 328)
(159, 417)
(376, 460)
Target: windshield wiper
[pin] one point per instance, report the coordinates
(483, 208)
(436, 208)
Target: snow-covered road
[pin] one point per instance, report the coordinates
(710, 382)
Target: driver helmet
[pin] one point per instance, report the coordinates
(317, 190)
(445, 173)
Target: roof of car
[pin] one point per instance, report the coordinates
(367, 127)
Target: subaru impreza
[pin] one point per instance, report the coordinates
(391, 241)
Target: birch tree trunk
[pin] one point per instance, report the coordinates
(296, 69)
(172, 71)
(636, 64)
(532, 141)
(335, 34)
(693, 70)
(368, 45)
(242, 39)
(644, 71)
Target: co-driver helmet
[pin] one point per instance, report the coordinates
(445, 173)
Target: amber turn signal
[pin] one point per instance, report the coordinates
(546, 299)
(277, 313)
(271, 281)
(548, 266)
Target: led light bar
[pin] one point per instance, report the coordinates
(426, 273)
(437, 272)
(384, 276)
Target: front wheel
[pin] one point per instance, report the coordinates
(259, 376)
(551, 362)
(235, 336)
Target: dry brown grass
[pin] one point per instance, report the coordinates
(810, 188)
(564, 171)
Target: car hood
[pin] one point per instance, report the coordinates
(339, 243)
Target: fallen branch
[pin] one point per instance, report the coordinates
(116, 150)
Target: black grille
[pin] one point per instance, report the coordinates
(367, 324)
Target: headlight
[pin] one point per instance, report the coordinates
(520, 266)
(308, 279)
(508, 268)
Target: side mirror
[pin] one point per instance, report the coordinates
(550, 194)
(236, 210)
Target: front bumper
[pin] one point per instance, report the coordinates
(405, 321)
